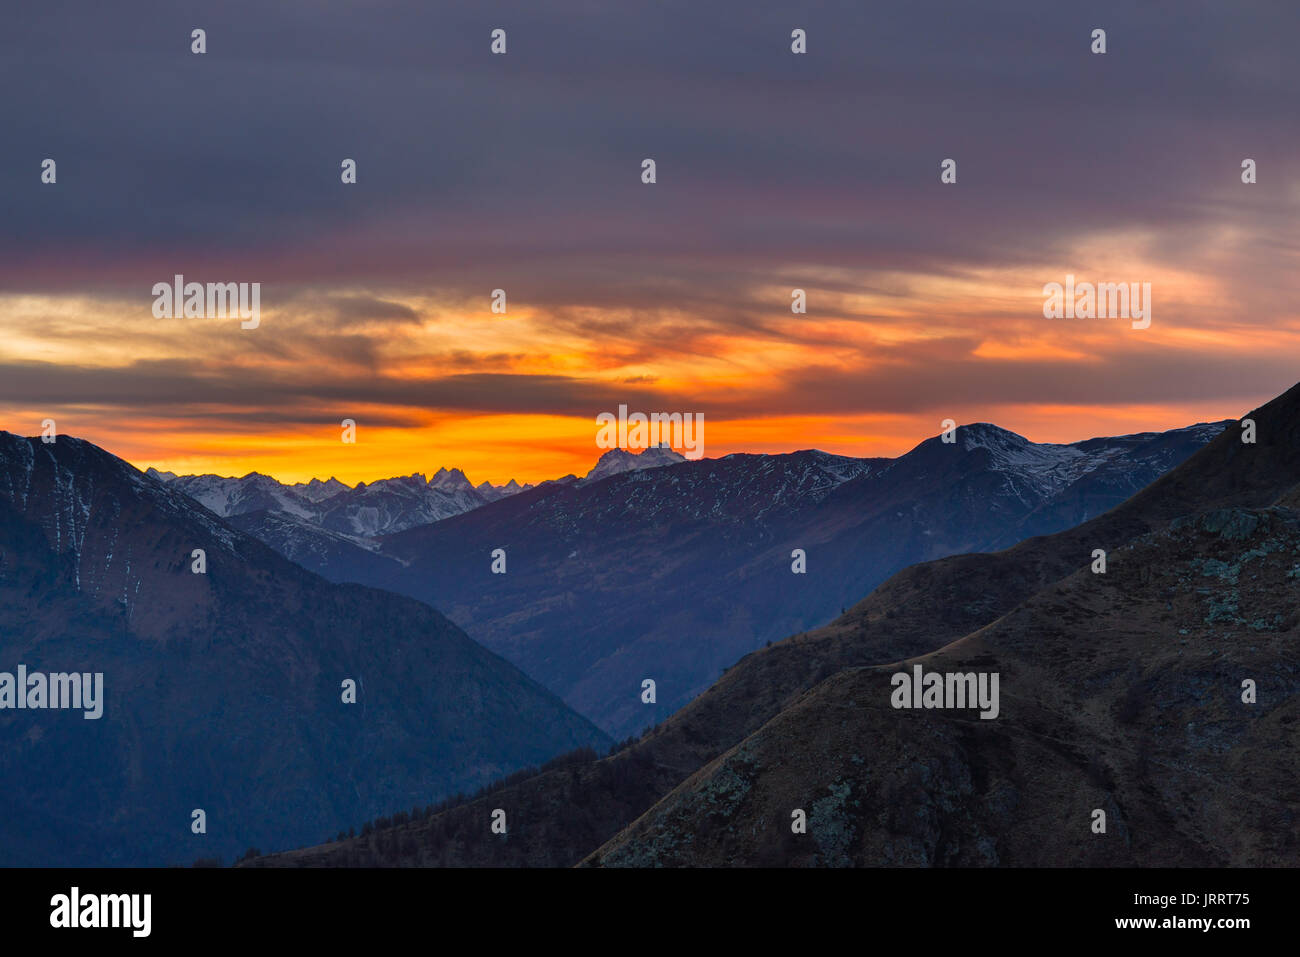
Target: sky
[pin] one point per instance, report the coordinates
(523, 172)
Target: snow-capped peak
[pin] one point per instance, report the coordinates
(616, 461)
(450, 480)
(985, 435)
(1009, 452)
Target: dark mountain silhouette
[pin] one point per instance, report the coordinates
(223, 690)
(1104, 692)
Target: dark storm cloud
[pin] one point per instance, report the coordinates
(198, 384)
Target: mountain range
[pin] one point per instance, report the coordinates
(96, 563)
(1160, 692)
(695, 560)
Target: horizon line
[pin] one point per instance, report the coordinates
(145, 467)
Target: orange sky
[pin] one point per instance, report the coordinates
(535, 448)
(516, 396)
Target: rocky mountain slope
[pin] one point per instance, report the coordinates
(1120, 693)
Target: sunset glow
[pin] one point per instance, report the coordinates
(924, 299)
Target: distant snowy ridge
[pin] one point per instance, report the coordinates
(360, 512)
(367, 510)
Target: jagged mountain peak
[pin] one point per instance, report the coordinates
(450, 480)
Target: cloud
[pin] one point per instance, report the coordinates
(356, 309)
